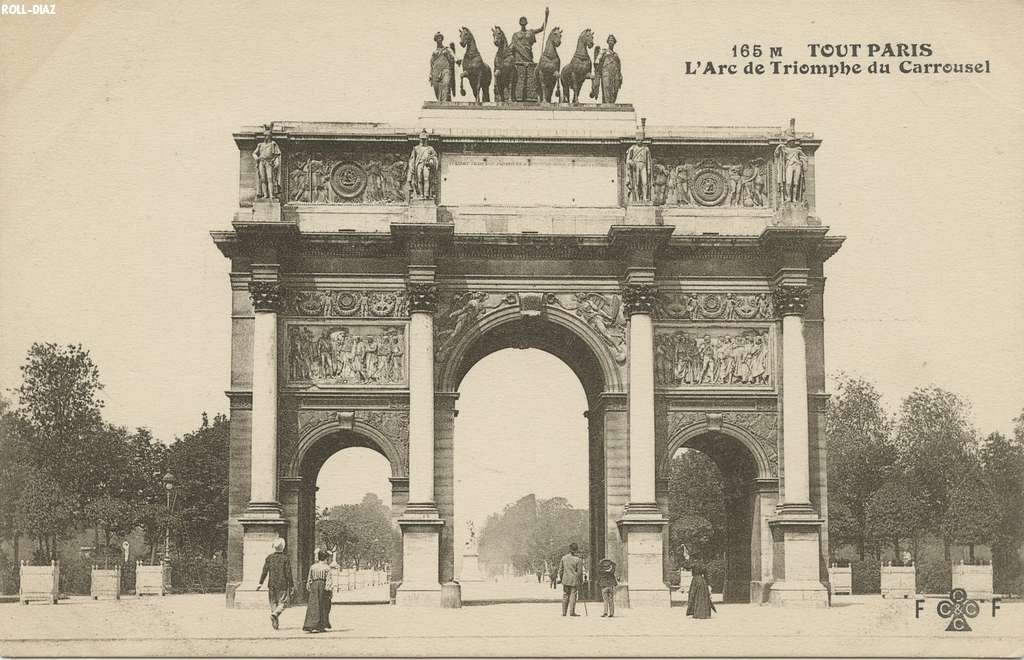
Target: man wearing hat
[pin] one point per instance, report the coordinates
(279, 586)
(570, 574)
(607, 582)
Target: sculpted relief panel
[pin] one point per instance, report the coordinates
(713, 357)
(331, 178)
(355, 303)
(709, 182)
(685, 306)
(349, 355)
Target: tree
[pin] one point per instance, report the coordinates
(111, 515)
(362, 534)
(1002, 461)
(45, 512)
(860, 453)
(14, 468)
(199, 461)
(531, 531)
(935, 439)
(696, 509)
(971, 511)
(894, 513)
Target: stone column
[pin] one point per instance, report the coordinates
(262, 522)
(642, 524)
(797, 526)
(421, 523)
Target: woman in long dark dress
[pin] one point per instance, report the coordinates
(319, 588)
(699, 604)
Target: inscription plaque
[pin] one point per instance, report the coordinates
(483, 180)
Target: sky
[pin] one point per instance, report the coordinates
(117, 160)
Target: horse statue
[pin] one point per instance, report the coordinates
(504, 66)
(548, 68)
(474, 68)
(578, 69)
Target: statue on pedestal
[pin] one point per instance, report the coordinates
(790, 166)
(422, 172)
(638, 169)
(442, 70)
(607, 72)
(268, 167)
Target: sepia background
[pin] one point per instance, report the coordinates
(117, 160)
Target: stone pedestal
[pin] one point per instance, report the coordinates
(421, 211)
(792, 214)
(471, 568)
(640, 214)
(421, 532)
(258, 536)
(796, 540)
(266, 210)
(642, 536)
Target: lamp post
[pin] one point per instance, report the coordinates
(169, 487)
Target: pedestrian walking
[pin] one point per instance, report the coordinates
(320, 589)
(553, 575)
(607, 582)
(570, 574)
(699, 605)
(278, 569)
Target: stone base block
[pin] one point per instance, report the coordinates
(792, 214)
(266, 210)
(805, 593)
(422, 597)
(641, 214)
(759, 591)
(421, 211)
(246, 597)
(649, 597)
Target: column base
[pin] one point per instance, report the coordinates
(262, 524)
(795, 536)
(640, 213)
(421, 211)
(266, 210)
(421, 530)
(641, 529)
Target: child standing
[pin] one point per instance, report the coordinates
(607, 581)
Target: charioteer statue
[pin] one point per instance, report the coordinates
(521, 44)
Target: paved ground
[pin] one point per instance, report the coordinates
(201, 625)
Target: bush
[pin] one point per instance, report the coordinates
(866, 576)
(75, 576)
(198, 575)
(934, 576)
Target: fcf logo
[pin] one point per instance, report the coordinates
(957, 608)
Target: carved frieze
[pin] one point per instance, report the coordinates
(332, 178)
(392, 424)
(349, 355)
(458, 311)
(348, 303)
(707, 182)
(687, 306)
(603, 312)
(712, 357)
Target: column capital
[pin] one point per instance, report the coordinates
(422, 297)
(790, 300)
(267, 296)
(639, 298)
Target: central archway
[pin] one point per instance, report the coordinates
(598, 368)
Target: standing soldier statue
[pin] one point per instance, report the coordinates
(607, 73)
(442, 70)
(422, 169)
(521, 44)
(268, 167)
(790, 166)
(638, 169)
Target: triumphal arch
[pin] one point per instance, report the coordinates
(677, 271)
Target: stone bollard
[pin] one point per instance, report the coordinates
(451, 595)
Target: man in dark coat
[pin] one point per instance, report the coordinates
(279, 586)
(570, 574)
